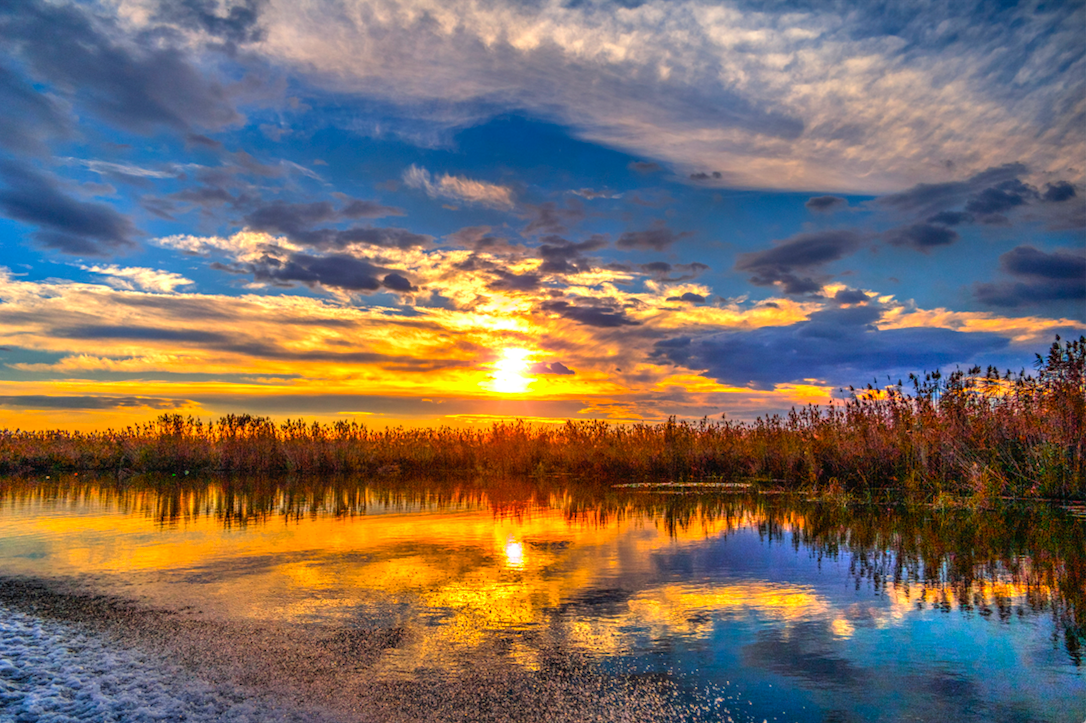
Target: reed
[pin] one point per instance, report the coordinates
(969, 432)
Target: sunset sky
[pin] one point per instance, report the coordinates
(448, 212)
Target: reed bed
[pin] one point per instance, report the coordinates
(970, 432)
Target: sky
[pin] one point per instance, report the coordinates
(412, 212)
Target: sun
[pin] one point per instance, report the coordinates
(510, 370)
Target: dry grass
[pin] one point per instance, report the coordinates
(969, 432)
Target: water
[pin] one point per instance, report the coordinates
(265, 601)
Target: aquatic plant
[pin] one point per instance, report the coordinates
(969, 432)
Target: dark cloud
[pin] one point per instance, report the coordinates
(645, 167)
(480, 238)
(197, 139)
(65, 224)
(396, 282)
(566, 257)
(237, 25)
(552, 368)
(702, 176)
(779, 265)
(159, 207)
(596, 315)
(826, 204)
(41, 401)
(850, 296)
(508, 281)
(137, 83)
(984, 198)
(661, 271)
(358, 208)
(840, 346)
(688, 297)
(551, 218)
(335, 271)
(30, 117)
(951, 218)
(656, 268)
(206, 196)
(295, 221)
(922, 236)
(290, 219)
(1057, 266)
(1000, 198)
(140, 333)
(1058, 191)
(389, 237)
(927, 199)
(1041, 277)
(657, 238)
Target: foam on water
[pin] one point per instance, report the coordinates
(55, 672)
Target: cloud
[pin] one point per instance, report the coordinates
(109, 168)
(1042, 277)
(839, 347)
(359, 208)
(509, 281)
(296, 221)
(1000, 198)
(591, 194)
(1059, 191)
(30, 117)
(922, 236)
(689, 297)
(951, 218)
(335, 271)
(799, 253)
(206, 196)
(657, 238)
(396, 282)
(43, 401)
(137, 82)
(644, 167)
(766, 94)
(926, 199)
(140, 333)
(459, 188)
(600, 316)
(553, 368)
(983, 198)
(551, 218)
(238, 25)
(64, 224)
(851, 296)
(565, 257)
(661, 271)
(137, 277)
(826, 204)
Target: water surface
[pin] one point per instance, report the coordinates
(450, 602)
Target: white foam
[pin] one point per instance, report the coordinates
(56, 672)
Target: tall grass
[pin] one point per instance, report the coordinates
(969, 432)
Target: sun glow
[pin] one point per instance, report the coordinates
(509, 372)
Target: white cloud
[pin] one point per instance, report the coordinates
(459, 188)
(137, 277)
(243, 246)
(803, 100)
(125, 169)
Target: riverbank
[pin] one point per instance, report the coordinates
(972, 433)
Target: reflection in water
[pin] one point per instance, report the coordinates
(813, 610)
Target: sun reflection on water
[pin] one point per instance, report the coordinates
(462, 578)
